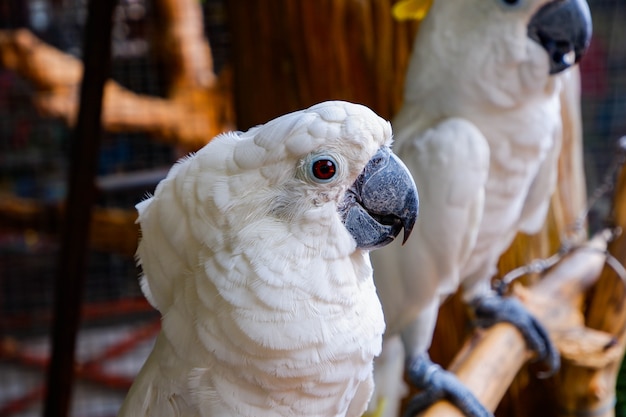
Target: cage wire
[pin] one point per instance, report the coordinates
(118, 326)
(603, 108)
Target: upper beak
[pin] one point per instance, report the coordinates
(563, 28)
(381, 202)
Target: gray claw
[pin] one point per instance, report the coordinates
(437, 384)
(494, 309)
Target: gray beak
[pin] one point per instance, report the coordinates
(563, 28)
(381, 202)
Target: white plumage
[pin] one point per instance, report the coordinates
(268, 306)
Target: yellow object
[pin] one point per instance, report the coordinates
(411, 9)
(380, 408)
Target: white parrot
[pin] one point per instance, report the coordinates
(255, 250)
(480, 130)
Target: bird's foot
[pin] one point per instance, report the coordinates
(494, 309)
(437, 384)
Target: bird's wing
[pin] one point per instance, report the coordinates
(537, 202)
(449, 163)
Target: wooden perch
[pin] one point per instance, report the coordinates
(491, 359)
(199, 104)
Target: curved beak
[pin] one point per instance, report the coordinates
(563, 28)
(381, 202)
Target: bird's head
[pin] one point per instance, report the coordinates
(562, 27)
(498, 51)
(331, 161)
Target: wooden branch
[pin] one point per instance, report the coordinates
(184, 45)
(589, 378)
(199, 106)
(491, 359)
(111, 230)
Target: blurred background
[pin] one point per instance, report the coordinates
(117, 324)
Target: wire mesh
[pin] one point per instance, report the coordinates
(118, 325)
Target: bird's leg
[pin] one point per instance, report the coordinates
(493, 309)
(436, 384)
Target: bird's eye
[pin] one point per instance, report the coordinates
(323, 168)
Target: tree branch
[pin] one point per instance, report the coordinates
(490, 360)
(199, 104)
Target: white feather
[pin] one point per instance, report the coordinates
(268, 307)
(480, 131)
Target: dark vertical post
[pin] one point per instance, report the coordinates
(81, 196)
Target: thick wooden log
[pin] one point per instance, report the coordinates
(288, 55)
(490, 360)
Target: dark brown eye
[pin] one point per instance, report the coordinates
(512, 2)
(324, 169)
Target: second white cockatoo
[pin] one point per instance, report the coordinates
(255, 250)
(480, 130)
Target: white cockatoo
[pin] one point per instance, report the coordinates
(255, 250)
(480, 130)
